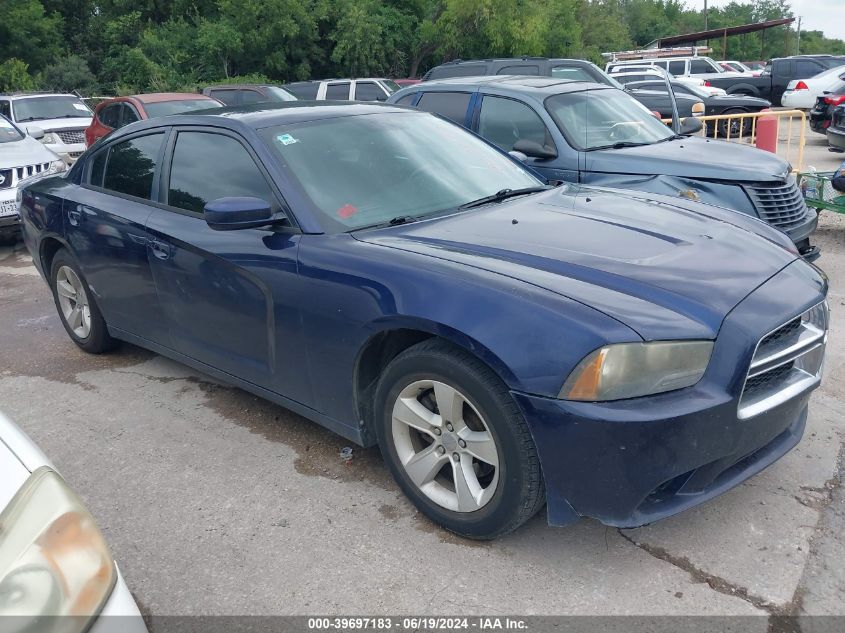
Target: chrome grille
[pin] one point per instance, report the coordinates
(786, 363)
(779, 204)
(11, 177)
(71, 137)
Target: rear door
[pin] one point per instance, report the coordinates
(228, 297)
(105, 224)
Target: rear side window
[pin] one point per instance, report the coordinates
(369, 91)
(131, 166)
(129, 115)
(519, 70)
(226, 96)
(200, 154)
(700, 67)
(6, 110)
(407, 99)
(503, 122)
(110, 115)
(252, 96)
(805, 69)
(678, 67)
(98, 166)
(306, 91)
(452, 105)
(464, 70)
(337, 91)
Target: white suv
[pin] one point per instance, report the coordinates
(685, 66)
(21, 157)
(63, 119)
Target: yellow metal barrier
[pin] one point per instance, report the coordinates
(741, 127)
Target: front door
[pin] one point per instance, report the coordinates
(105, 222)
(229, 297)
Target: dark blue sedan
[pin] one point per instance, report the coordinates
(404, 283)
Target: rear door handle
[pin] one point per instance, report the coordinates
(160, 249)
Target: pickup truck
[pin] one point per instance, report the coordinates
(772, 83)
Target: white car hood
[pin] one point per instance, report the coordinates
(48, 125)
(24, 152)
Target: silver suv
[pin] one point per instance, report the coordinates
(62, 117)
(681, 66)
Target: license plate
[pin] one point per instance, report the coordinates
(8, 208)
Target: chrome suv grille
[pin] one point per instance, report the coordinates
(9, 178)
(70, 137)
(787, 362)
(779, 204)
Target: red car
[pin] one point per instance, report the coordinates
(112, 114)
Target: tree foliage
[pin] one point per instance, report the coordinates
(122, 46)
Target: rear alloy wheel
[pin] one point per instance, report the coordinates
(80, 315)
(735, 126)
(456, 442)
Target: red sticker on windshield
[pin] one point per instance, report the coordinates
(347, 211)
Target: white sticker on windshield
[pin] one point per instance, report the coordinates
(79, 106)
(286, 139)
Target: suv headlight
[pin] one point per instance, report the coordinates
(50, 138)
(53, 559)
(628, 370)
(56, 167)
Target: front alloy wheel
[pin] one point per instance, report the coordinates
(445, 446)
(73, 301)
(456, 442)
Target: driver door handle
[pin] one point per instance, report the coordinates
(162, 250)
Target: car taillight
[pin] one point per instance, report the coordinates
(835, 100)
(802, 86)
(707, 83)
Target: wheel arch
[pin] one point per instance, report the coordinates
(394, 337)
(47, 249)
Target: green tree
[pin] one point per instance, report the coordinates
(69, 74)
(14, 75)
(28, 33)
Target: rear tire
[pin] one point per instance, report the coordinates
(456, 442)
(77, 308)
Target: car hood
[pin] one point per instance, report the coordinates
(48, 125)
(691, 157)
(663, 270)
(24, 152)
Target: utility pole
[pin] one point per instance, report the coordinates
(705, 15)
(798, 43)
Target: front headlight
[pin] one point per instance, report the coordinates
(50, 138)
(628, 370)
(53, 560)
(57, 166)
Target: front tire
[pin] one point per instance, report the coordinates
(456, 442)
(78, 311)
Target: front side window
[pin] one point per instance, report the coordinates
(601, 119)
(129, 115)
(390, 165)
(207, 166)
(280, 94)
(678, 68)
(407, 99)
(805, 69)
(503, 122)
(701, 67)
(43, 108)
(110, 115)
(131, 166)
(369, 91)
(452, 105)
(337, 92)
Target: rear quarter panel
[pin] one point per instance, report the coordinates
(42, 217)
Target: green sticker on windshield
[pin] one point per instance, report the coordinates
(286, 139)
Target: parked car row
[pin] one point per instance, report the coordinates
(574, 346)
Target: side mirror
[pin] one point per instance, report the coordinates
(691, 125)
(518, 156)
(533, 149)
(231, 214)
(35, 132)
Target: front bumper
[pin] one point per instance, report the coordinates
(800, 235)
(836, 138)
(632, 462)
(9, 224)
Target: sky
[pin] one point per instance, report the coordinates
(816, 15)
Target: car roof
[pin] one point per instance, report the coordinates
(521, 83)
(157, 97)
(24, 94)
(261, 115)
(456, 62)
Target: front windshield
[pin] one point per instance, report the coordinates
(42, 108)
(366, 170)
(391, 85)
(8, 132)
(163, 108)
(599, 119)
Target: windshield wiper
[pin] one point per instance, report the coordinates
(501, 195)
(401, 219)
(618, 145)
